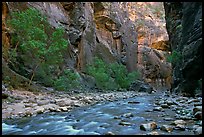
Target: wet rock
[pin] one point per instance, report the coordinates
(196, 109)
(127, 115)
(117, 117)
(198, 131)
(193, 100)
(39, 109)
(179, 122)
(133, 102)
(180, 127)
(169, 102)
(158, 109)
(165, 106)
(4, 95)
(166, 128)
(123, 123)
(148, 110)
(109, 133)
(32, 100)
(198, 115)
(153, 133)
(198, 104)
(182, 99)
(64, 109)
(43, 102)
(148, 126)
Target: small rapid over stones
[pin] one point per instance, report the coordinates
(176, 116)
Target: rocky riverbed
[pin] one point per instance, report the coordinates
(126, 112)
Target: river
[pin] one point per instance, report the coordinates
(122, 117)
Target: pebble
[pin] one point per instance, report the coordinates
(158, 109)
(127, 115)
(124, 123)
(166, 128)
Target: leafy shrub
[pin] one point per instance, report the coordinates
(99, 70)
(68, 80)
(33, 42)
(111, 76)
(175, 57)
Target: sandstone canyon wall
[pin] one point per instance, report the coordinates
(132, 33)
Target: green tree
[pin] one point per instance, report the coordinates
(111, 76)
(68, 80)
(35, 46)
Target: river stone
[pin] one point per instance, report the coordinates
(164, 106)
(124, 123)
(32, 100)
(39, 109)
(198, 131)
(43, 102)
(193, 100)
(64, 109)
(169, 102)
(180, 127)
(116, 117)
(166, 128)
(127, 115)
(148, 126)
(133, 102)
(182, 98)
(198, 115)
(197, 104)
(179, 122)
(158, 109)
(153, 133)
(109, 133)
(196, 109)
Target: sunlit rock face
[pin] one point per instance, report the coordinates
(93, 28)
(184, 25)
(115, 31)
(153, 45)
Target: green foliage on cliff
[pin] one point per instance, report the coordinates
(36, 44)
(111, 76)
(99, 70)
(68, 80)
(174, 58)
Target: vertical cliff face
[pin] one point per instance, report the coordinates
(184, 25)
(5, 31)
(132, 33)
(93, 29)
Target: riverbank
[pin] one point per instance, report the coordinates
(20, 103)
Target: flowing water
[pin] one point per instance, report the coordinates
(96, 119)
